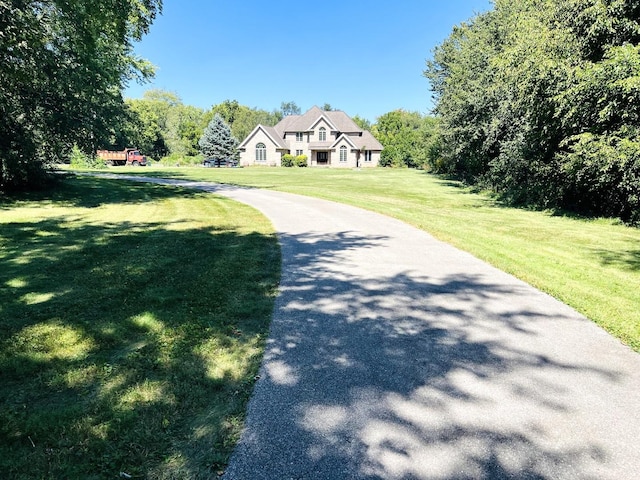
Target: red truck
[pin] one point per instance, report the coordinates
(128, 156)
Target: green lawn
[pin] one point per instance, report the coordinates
(132, 322)
(591, 264)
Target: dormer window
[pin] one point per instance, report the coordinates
(322, 134)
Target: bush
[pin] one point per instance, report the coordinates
(288, 160)
(79, 159)
(604, 175)
(300, 161)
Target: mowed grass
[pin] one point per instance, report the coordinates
(592, 265)
(132, 321)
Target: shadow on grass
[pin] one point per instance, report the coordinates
(127, 347)
(186, 180)
(625, 260)
(401, 376)
(70, 190)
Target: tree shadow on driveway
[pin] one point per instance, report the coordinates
(409, 375)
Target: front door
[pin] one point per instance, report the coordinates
(322, 158)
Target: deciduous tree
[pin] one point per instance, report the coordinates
(63, 64)
(406, 138)
(540, 101)
(289, 108)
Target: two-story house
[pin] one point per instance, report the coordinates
(328, 139)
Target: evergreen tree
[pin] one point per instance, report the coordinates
(216, 141)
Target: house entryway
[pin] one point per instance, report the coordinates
(322, 159)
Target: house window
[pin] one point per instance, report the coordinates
(299, 137)
(367, 155)
(343, 153)
(261, 152)
(322, 135)
(299, 152)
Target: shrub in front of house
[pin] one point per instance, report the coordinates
(301, 161)
(288, 160)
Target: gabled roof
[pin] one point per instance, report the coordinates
(344, 137)
(269, 132)
(319, 119)
(367, 141)
(287, 124)
(298, 123)
(363, 141)
(336, 119)
(342, 121)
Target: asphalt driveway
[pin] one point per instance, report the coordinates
(395, 356)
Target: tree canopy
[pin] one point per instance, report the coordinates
(539, 100)
(160, 124)
(289, 108)
(407, 138)
(63, 65)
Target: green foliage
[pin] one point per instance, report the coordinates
(406, 137)
(540, 101)
(289, 108)
(228, 110)
(300, 161)
(79, 159)
(63, 65)
(287, 160)
(160, 125)
(604, 174)
(142, 128)
(363, 123)
(243, 119)
(180, 160)
(217, 141)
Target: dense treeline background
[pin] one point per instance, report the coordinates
(63, 66)
(166, 129)
(539, 100)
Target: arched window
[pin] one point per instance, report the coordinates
(322, 134)
(261, 152)
(343, 153)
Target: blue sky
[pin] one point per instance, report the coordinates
(363, 57)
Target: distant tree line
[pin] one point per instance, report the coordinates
(539, 100)
(161, 125)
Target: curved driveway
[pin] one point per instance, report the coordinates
(395, 356)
